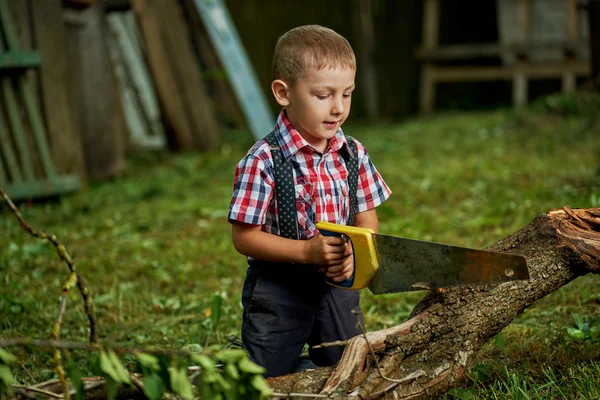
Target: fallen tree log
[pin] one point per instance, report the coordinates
(429, 353)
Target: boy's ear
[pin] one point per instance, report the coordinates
(280, 90)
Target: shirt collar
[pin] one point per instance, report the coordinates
(290, 141)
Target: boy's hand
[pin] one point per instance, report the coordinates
(326, 251)
(343, 271)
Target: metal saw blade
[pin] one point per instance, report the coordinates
(404, 263)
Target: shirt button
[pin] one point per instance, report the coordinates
(328, 197)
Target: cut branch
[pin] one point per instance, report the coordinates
(449, 326)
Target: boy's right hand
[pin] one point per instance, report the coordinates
(326, 251)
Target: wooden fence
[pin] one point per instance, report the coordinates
(121, 74)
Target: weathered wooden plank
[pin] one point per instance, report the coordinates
(27, 95)
(136, 124)
(135, 80)
(8, 153)
(487, 50)
(227, 107)
(19, 59)
(495, 73)
(17, 129)
(161, 68)
(3, 177)
(198, 106)
(232, 54)
(18, 12)
(56, 92)
(43, 188)
(102, 137)
(135, 119)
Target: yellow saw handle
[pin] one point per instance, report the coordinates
(363, 248)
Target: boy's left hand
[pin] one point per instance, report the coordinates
(343, 271)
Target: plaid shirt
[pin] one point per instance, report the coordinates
(320, 180)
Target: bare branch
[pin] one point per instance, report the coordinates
(88, 304)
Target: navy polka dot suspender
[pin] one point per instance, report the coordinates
(285, 191)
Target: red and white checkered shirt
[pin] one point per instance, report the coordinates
(320, 181)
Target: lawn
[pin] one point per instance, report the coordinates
(154, 244)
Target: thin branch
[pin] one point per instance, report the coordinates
(58, 364)
(395, 382)
(331, 344)
(301, 395)
(88, 304)
(25, 391)
(409, 377)
(364, 333)
(137, 381)
(88, 347)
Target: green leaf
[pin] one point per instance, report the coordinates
(215, 309)
(577, 320)
(180, 383)
(6, 380)
(222, 382)
(149, 361)
(233, 355)
(249, 367)
(207, 364)
(154, 387)
(6, 376)
(205, 390)
(111, 388)
(259, 383)
(575, 334)
(111, 365)
(6, 357)
(75, 374)
(232, 372)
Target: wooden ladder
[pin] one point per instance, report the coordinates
(20, 156)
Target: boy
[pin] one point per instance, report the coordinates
(305, 171)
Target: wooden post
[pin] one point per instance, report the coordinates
(572, 29)
(197, 105)
(363, 12)
(57, 104)
(97, 100)
(520, 82)
(181, 135)
(431, 22)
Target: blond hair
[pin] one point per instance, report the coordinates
(310, 46)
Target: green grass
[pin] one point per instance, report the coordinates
(154, 245)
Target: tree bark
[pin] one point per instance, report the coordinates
(429, 353)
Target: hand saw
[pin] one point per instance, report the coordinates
(388, 264)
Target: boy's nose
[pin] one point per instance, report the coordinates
(338, 107)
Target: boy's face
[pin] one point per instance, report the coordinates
(318, 103)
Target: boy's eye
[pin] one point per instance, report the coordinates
(347, 95)
(322, 96)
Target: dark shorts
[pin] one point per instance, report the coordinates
(287, 306)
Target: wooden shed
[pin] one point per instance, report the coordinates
(537, 39)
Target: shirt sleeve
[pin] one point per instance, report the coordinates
(252, 191)
(371, 189)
